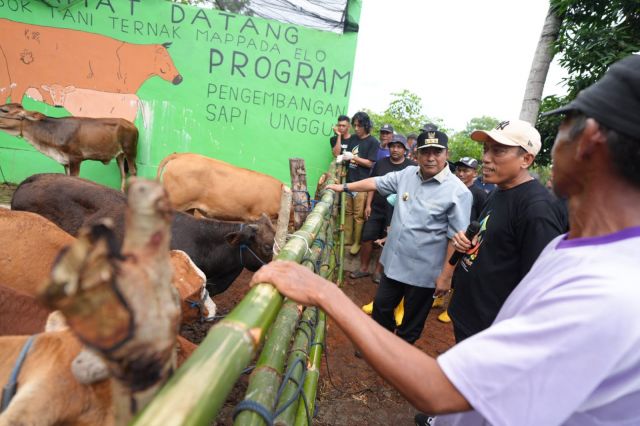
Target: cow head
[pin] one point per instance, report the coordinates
(196, 305)
(58, 93)
(83, 287)
(257, 236)
(11, 117)
(164, 66)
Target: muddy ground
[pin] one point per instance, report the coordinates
(350, 392)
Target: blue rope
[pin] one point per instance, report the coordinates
(257, 408)
(246, 247)
(9, 390)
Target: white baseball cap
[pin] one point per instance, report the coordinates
(512, 133)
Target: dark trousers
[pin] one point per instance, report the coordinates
(459, 333)
(417, 303)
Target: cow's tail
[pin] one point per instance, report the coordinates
(163, 163)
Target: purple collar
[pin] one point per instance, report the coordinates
(599, 240)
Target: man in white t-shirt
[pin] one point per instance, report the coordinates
(533, 366)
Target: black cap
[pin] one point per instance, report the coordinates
(434, 138)
(429, 127)
(467, 162)
(614, 100)
(398, 138)
(386, 128)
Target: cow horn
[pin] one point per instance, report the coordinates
(253, 226)
(166, 44)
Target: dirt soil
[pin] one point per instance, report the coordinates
(350, 392)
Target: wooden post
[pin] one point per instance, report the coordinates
(301, 201)
(282, 227)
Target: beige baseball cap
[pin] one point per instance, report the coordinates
(512, 133)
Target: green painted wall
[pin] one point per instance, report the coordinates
(280, 100)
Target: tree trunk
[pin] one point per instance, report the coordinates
(301, 201)
(540, 67)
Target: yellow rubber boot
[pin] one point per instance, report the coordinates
(357, 236)
(438, 302)
(368, 308)
(398, 312)
(444, 317)
(348, 231)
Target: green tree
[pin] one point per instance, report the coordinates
(461, 144)
(404, 113)
(547, 127)
(593, 35)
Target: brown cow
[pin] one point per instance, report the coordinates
(59, 394)
(71, 140)
(29, 244)
(217, 189)
(20, 313)
(120, 303)
(34, 55)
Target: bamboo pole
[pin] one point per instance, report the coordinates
(310, 388)
(266, 377)
(195, 393)
(297, 363)
(343, 211)
(282, 226)
(300, 349)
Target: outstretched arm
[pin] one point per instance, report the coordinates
(368, 184)
(416, 375)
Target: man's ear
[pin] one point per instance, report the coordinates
(527, 160)
(590, 140)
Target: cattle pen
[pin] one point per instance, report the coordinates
(198, 389)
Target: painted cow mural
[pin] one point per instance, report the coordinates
(46, 60)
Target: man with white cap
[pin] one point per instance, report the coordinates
(517, 222)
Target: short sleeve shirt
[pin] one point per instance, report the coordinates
(565, 347)
(366, 148)
(427, 213)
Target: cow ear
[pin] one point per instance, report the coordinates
(233, 238)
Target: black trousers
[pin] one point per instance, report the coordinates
(417, 304)
(459, 333)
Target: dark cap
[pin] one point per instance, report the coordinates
(436, 139)
(429, 127)
(467, 162)
(386, 128)
(398, 138)
(614, 100)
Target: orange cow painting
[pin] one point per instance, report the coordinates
(38, 59)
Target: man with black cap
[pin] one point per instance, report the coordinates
(432, 205)
(386, 134)
(517, 222)
(534, 366)
(378, 211)
(467, 170)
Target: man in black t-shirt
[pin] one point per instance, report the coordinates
(467, 170)
(342, 135)
(360, 155)
(517, 222)
(378, 211)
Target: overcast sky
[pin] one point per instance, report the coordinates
(464, 58)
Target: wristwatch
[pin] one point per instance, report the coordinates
(344, 187)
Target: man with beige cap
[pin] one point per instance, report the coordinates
(518, 221)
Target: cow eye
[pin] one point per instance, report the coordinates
(267, 248)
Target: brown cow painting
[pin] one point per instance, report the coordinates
(33, 56)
